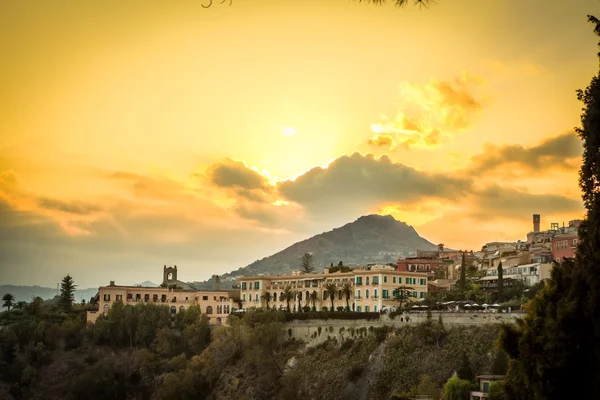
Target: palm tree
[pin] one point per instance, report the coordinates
(20, 305)
(331, 290)
(313, 299)
(266, 297)
(402, 293)
(347, 292)
(287, 295)
(298, 294)
(9, 301)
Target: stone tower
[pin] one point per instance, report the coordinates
(536, 222)
(169, 274)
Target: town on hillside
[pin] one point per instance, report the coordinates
(498, 278)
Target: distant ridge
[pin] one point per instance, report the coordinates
(358, 242)
(26, 293)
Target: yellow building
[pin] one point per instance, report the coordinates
(178, 296)
(371, 288)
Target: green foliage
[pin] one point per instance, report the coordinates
(325, 315)
(462, 280)
(340, 268)
(556, 348)
(500, 364)
(67, 294)
(402, 293)
(307, 263)
(497, 391)
(456, 389)
(331, 291)
(465, 372)
(8, 301)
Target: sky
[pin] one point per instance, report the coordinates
(143, 133)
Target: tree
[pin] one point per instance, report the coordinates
(500, 364)
(307, 263)
(462, 282)
(497, 391)
(557, 343)
(500, 282)
(266, 297)
(402, 293)
(20, 305)
(313, 299)
(465, 371)
(67, 291)
(9, 301)
(347, 292)
(331, 291)
(287, 295)
(456, 388)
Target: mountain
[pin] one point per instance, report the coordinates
(26, 293)
(147, 284)
(358, 242)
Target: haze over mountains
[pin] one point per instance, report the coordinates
(358, 242)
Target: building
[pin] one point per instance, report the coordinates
(529, 274)
(420, 264)
(484, 386)
(564, 246)
(216, 304)
(372, 288)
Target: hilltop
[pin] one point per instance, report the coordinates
(358, 242)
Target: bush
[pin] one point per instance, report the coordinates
(306, 309)
(325, 315)
(355, 372)
(347, 345)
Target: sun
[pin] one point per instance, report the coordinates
(289, 131)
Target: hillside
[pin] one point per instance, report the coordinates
(358, 242)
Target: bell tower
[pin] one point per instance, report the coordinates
(169, 274)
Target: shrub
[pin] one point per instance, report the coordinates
(347, 344)
(325, 315)
(355, 372)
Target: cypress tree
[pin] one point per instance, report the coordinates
(67, 291)
(555, 349)
(462, 283)
(500, 281)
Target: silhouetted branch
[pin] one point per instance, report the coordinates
(401, 3)
(209, 4)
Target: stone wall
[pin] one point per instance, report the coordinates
(314, 332)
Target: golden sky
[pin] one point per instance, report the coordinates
(141, 133)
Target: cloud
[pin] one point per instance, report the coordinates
(383, 141)
(359, 183)
(75, 207)
(235, 174)
(425, 113)
(561, 151)
(496, 201)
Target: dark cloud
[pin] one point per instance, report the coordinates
(383, 141)
(496, 202)
(74, 207)
(234, 174)
(560, 151)
(360, 182)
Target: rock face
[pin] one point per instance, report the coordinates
(359, 242)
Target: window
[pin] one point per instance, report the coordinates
(181, 309)
(106, 308)
(358, 294)
(485, 387)
(173, 310)
(423, 281)
(375, 293)
(574, 242)
(243, 285)
(256, 297)
(366, 308)
(256, 285)
(367, 294)
(359, 281)
(243, 297)
(399, 280)
(375, 280)
(155, 298)
(206, 297)
(385, 294)
(209, 310)
(393, 279)
(359, 308)
(107, 297)
(367, 281)
(421, 295)
(385, 279)
(119, 297)
(375, 308)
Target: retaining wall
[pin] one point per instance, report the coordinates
(314, 332)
